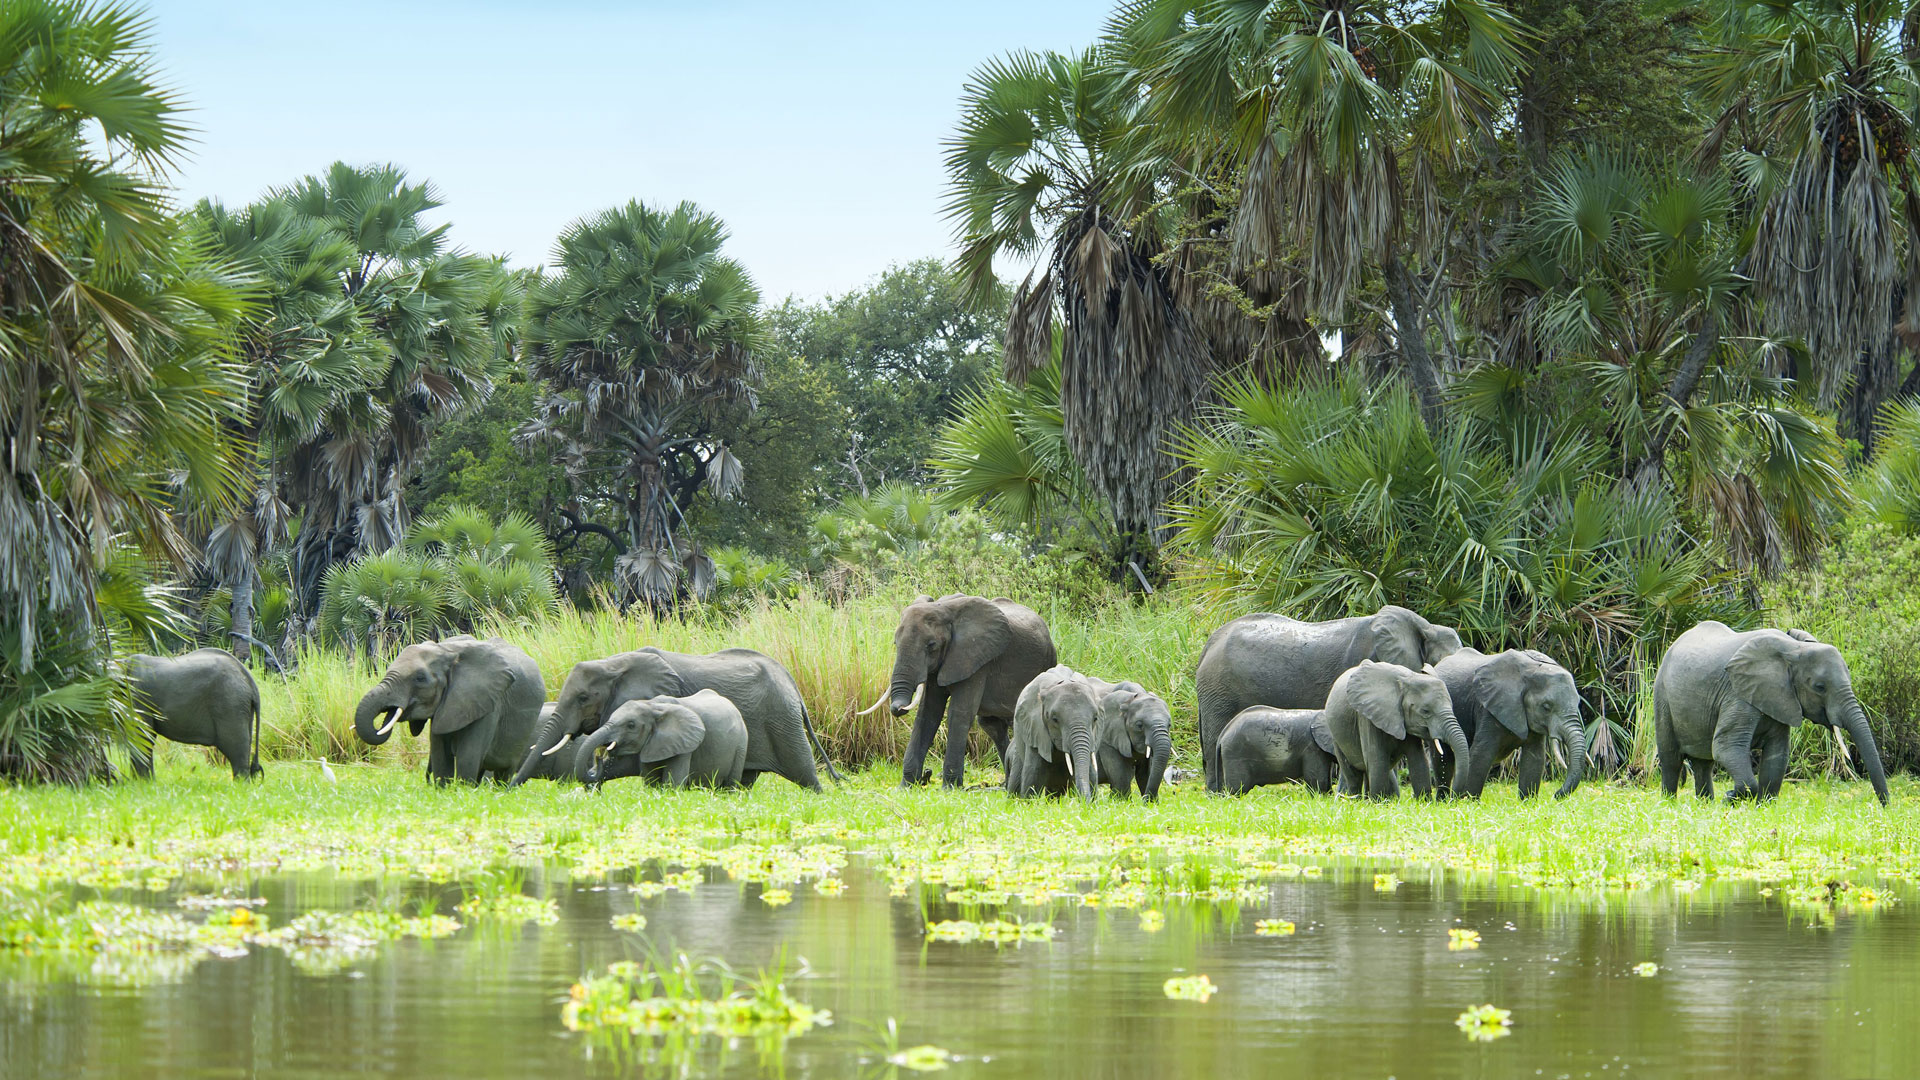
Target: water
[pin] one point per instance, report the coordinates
(1366, 987)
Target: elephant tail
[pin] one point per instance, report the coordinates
(806, 721)
(253, 745)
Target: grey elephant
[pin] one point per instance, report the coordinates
(1265, 745)
(1051, 749)
(204, 698)
(1132, 739)
(481, 699)
(970, 658)
(1382, 714)
(697, 739)
(778, 727)
(1269, 659)
(1518, 699)
(565, 765)
(1721, 694)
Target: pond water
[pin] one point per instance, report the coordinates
(1747, 985)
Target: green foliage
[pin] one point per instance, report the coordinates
(1333, 499)
(1890, 488)
(1863, 597)
(471, 459)
(454, 573)
(1006, 451)
(742, 578)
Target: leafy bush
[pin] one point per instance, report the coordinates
(1863, 597)
(1331, 499)
(1891, 488)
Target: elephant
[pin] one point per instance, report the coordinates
(697, 739)
(778, 727)
(1723, 693)
(565, 765)
(1265, 745)
(1380, 713)
(971, 658)
(481, 697)
(1133, 740)
(1053, 733)
(1269, 659)
(204, 698)
(1518, 699)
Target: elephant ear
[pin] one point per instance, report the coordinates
(980, 633)
(476, 686)
(1322, 734)
(676, 730)
(1500, 686)
(1395, 639)
(1113, 710)
(1798, 634)
(1761, 675)
(650, 674)
(1438, 642)
(1028, 729)
(1374, 691)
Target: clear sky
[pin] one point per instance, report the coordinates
(813, 129)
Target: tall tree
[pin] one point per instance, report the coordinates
(643, 335)
(1816, 108)
(1340, 118)
(1050, 162)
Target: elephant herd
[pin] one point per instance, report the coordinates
(1346, 702)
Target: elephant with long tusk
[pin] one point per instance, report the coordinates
(958, 659)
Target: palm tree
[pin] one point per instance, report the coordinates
(115, 387)
(643, 335)
(1050, 162)
(1340, 118)
(1817, 101)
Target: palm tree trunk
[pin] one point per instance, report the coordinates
(1410, 329)
(241, 609)
(1679, 392)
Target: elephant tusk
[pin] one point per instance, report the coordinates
(393, 717)
(1069, 757)
(881, 701)
(564, 739)
(917, 691)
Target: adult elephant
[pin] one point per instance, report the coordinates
(969, 657)
(778, 727)
(1381, 714)
(1053, 734)
(1518, 699)
(1269, 659)
(568, 764)
(481, 698)
(204, 698)
(1722, 693)
(697, 739)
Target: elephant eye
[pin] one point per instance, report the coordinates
(1819, 686)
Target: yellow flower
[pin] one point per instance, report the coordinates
(240, 917)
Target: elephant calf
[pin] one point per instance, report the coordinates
(205, 698)
(1264, 745)
(1381, 713)
(1133, 736)
(1722, 693)
(1052, 745)
(697, 739)
(1517, 699)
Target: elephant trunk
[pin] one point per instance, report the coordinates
(589, 751)
(1856, 725)
(1575, 738)
(373, 721)
(909, 682)
(1160, 755)
(1456, 739)
(544, 743)
(1080, 753)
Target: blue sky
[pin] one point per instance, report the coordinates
(814, 130)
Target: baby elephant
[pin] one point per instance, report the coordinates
(699, 739)
(1263, 745)
(1380, 714)
(205, 698)
(1133, 740)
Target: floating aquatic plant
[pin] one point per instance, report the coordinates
(1459, 939)
(1386, 882)
(1189, 988)
(997, 931)
(632, 922)
(776, 897)
(924, 1058)
(1152, 921)
(1273, 928)
(684, 999)
(1647, 969)
(1485, 1023)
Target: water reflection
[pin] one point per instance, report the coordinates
(1747, 985)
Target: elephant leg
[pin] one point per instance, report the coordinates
(999, 731)
(960, 710)
(1533, 764)
(1702, 776)
(233, 747)
(468, 756)
(1417, 773)
(439, 759)
(1733, 749)
(1317, 773)
(678, 769)
(748, 776)
(1668, 746)
(926, 722)
(1775, 740)
(1141, 770)
(1352, 777)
